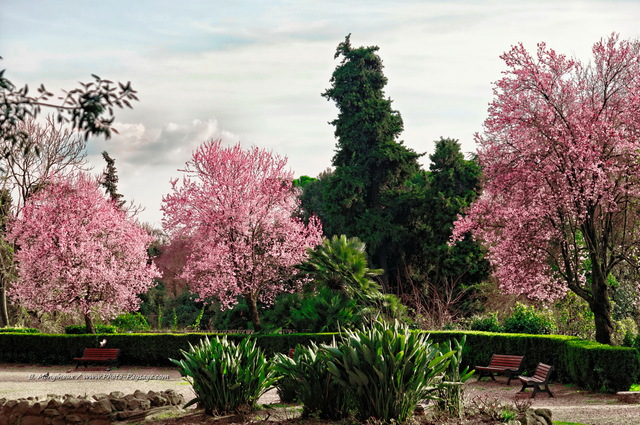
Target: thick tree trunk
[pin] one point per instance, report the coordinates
(4, 314)
(90, 329)
(601, 308)
(252, 302)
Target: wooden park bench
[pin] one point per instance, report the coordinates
(540, 377)
(99, 355)
(502, 364)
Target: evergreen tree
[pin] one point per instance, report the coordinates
(371, 165)
(110, 180)
(453, 185)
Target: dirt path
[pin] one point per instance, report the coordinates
(570, 404)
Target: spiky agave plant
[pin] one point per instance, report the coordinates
(225, 376)
(388, 368)
(318, 390)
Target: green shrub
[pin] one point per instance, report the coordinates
(20, 330)
(287, 389)
(450, 393)
(318, 390)
(528, 320)
(388, 369)
(225, 376)
(131, 322)
(82, 329)
(488, 323)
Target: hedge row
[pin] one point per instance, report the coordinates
(588, 364)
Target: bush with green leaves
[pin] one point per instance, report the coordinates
(320, 393)
(450, 393)
(388, 369)
(131, 322)
(225, 376)
(529, 320)
(487, 323)
(20, 330)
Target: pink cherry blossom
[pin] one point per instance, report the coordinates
(561, 156)
(78, 253)
(235, 207)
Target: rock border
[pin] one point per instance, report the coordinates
(99, 409)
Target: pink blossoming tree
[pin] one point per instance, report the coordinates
(78, 252)
(561, 156)
(235, 207)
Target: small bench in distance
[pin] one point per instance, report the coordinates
(99, 355)
(540, 378)
(502, 364)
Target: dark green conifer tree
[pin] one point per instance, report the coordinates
(371, 165)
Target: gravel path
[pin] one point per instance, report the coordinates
(570, 404)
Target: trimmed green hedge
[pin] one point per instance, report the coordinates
(588, 364)
(136, 349)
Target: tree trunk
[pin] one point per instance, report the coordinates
(601, 308)
(252, 303)
(4, 315)
(90, 329)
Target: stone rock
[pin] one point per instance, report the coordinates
(70, 403)
(631, 397)
(545, 414)
(128, 414)
(32, 420)
(174, 398)
(100, 396)
(73, 419)
(100, 422)
(132, 403)
(535, 417)
(34, 410)
(144, 403)
(158, 400)
(54, 403)
(101, 407)
(51, 412)
(119, 403)
(21, 408)
(117, 394)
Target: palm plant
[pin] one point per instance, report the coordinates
(341, 263)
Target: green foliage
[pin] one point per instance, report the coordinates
(574, 317)
(131, 322)
(326, 310)
(318, 390)
(363, 196)
(450, 186)
(600, 367)
(225, 376)
(487, 323)
(528, 320)
(20, 330)
(341, 263)
(82, 329)
(287, 389)
(450, 393)
(388, 369)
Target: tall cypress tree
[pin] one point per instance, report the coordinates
(371, 165)
(453, 183)
(110, 180)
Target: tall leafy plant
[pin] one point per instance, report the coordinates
(225, 376)
(451, 391)
(388, 368)
(319, 391)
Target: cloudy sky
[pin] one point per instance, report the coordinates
(253, 71)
